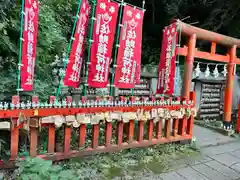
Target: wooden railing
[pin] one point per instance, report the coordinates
(166, 121)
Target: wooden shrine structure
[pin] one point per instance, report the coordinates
(190, 52)
(123, 111)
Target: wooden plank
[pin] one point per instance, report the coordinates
(33, 141)
(191, 119)
(67, 139)
(119, 132)
(150, 130)
(210, 36)
(130, 130)
(167, 129)
(108, 133)
(140, 131)
(159, 129)
(182, 126)
(95, 136)
(51, 139)
(82, 135)
(14, 142)
(72, 111)
(205, 55)
(14, 131)
(175, 127)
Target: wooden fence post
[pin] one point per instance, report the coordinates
(14, 132)
(33, 127)
(191, 119)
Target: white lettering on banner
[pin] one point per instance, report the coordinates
(138, 16)
(30, 36)
(133, 71)
(31, 13)
(76, 68)
(102, 48)
(129, 65)
(129, 13)
(35, 5)
(98, 24)
(103, 6)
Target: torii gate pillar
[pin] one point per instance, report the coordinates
(229, 89)
(188, 66)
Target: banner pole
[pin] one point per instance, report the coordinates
(116, 47)
(68, 50)
(20, 49)
(143, 5)
(89, 48)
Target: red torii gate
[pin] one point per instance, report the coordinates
(190, 52)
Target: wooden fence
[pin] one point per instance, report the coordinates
(177, 115)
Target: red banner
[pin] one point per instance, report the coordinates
(167, 65)
(30, 31)
(73, 71)
(129, 54)
(103, 37)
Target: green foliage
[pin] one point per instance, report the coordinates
(55, 24)
(3, 151)
(38, 169)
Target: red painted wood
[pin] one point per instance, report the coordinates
(34, 134)
(14, 132)
(119, 132)
(182, 126)
(72, 111)
(95, 136)
(188, 66)
(191, 119)
(67, 139)
(175, 127)
(205, 55)
(213, 48)
(108, 133)
(228, 94)
(82, 135)
(159, 129)
(150, 129)
(15, 100)
(51, 139)
(167, 129)
(35, 99)
(14, 142)
(130, 135)
(69, 99)
(33, 141)
(52, 99)
(140, 131)
(210, 36)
